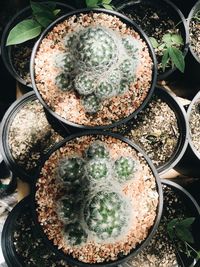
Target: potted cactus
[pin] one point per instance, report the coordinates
(100, 74)
(92, 200)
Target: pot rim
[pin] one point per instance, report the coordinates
(167, 73)
(9, 116)
(5, 49)
(172, 101)
(193, 10)
(71, 259)
(129, 23)
(194, 150)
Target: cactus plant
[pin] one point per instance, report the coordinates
(85, 83)
(63, 81)
(105, 90)
(68, 208)
(91, 104)
(91, 52)
(96, 48)
(97, 150)
(106, 214)
(65, 61)
(75, 233)
(97, 169)
(70, 170)
(125, 168)
(131, 45)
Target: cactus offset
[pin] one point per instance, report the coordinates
(91, 104)
(97, 169)
(106, 214)
(125, 168)
(85, 84)
(76, 235)
(97, 150)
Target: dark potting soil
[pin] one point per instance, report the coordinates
(155, 130)
(161, 251)
(29, 245)
(21, 55)
(155, 22)
(194, 31)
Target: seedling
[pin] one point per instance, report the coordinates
(99, 3)
(170, 49)
(42, 16)
(180, 233)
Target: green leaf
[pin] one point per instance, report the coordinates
(177, 39)
(154, 42)
(171, 228)
(186, 222)
(92, 3)
(106, 2)
(167, 39)
(56, 12)
(177, 58)
(165, 59)
(184, 234)
(107, 6)
(24, 31)
(41, 7)
(162, 46)
(43, 19)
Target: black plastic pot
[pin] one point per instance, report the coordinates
(6, 50)
(69, 258)
(4, 133)
(5, 173)
(193, 211)
(12, 258)
(190, 163)
(128, 22)
(128, 6)
(180, 114)
(193, 62)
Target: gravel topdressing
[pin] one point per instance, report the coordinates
(103, 231)
(194, 123)
(30, 135)
(64, 95)
(194, 31)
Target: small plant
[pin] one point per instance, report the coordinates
(105, 65)
(170, 49)
(99, 3)
(97, 208)
(106, 214)
(180, 233)
(42, 16)
(124, 168)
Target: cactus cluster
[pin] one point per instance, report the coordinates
(99, 208)
(98, 64)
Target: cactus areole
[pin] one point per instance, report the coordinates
(100, 196)
(102, 70)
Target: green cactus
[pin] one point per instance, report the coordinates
(125, 168)
(131, 45)
(114, 77)
(105, 90)
(123, 86)
(127, 68)
(64, 82)
(85, 84)
(97, 150)
(97, 169)
(68, 208)
(91, 104)
(96, 48)
(106, 214)
(70, 170)
(65, 61)
(76, 235)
